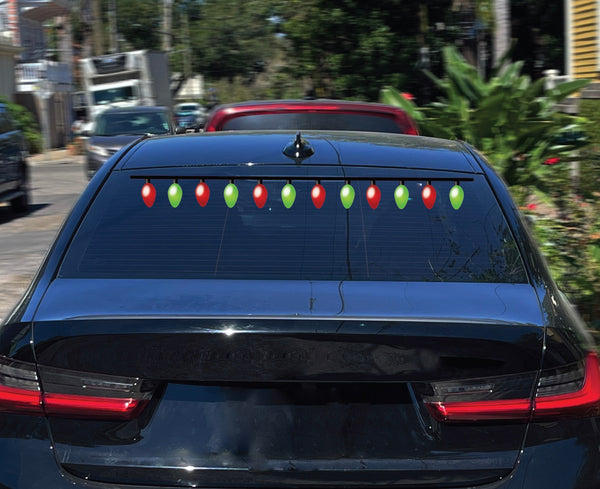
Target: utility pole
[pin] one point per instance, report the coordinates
(166, 25)
(112, 27)
(97, 28)
(187, 54)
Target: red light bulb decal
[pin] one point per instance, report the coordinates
(373, 195)
(202, 193)
(428, 195)
(318, 195)
(260, 195)
(148, 194)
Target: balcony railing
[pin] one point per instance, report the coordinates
(28, 76)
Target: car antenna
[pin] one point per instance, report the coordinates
(298, 149)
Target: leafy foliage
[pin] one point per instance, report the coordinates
(27, 124)
(568, 232)
(511, 118)
(347, 49)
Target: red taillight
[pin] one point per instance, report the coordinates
(456, 412)
(92, 407)
(106, 397)
(18, 400)
(583, 402)
(573, 392)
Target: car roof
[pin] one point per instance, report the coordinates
(308, 104)
(136, 108)
(222, 113)
(336, 148)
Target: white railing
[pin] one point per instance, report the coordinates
(553, 79)
(28, 75)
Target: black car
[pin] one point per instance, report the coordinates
(13, 163)
(117, 127)
(278, 310)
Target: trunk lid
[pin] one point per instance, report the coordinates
(289, 383)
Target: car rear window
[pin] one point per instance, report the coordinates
(118, 123)
(314, 120)
(120, 237)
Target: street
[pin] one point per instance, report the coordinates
(55, 185)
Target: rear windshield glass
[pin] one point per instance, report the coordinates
(123, 238)
(314, 120)
(119, 123)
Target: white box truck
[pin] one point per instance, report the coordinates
(126, 79)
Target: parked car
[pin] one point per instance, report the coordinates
(13, 163)
(117, 127)
(190, 115)
(270, 309)
(310, 115)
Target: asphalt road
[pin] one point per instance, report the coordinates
(24, 239)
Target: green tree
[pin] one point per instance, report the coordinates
(139, 23)
(347, 49)
(232, 38)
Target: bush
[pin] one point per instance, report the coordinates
(567, 228)
(590, 110)
(27, 124)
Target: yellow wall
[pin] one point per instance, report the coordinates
(584, 38)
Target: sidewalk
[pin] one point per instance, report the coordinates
(53, 156)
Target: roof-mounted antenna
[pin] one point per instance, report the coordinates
(298, 149)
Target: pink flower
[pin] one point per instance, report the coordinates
(531, 207)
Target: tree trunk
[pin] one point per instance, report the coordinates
(501, 29)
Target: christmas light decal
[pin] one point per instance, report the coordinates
(231, 194)
(457, 196)
(401, 195)
(317, 194)
(347, 191)
(373, 195)
(429, 194)
(347, 195)
(202, 193)
(175, 194)
(148, 193)
(288, 194)
(260, 195)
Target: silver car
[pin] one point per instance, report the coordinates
(116, 128)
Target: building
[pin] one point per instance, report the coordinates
(582, 38)
(582, 50)
(41, 85)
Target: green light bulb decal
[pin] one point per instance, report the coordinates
(457, 195)
(231, 194)
(347, 195)
(175, 193)
(401, 196)
(288, 195)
